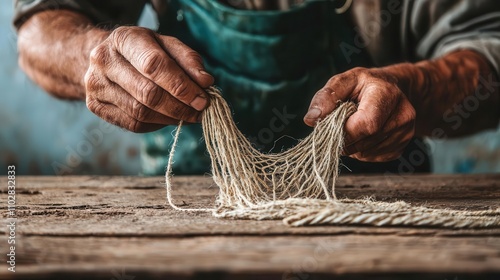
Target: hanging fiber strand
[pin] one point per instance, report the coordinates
(298, 185)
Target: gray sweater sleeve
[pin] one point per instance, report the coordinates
(440, 27)
(103, 12)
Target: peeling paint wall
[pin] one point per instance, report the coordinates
(43, 135)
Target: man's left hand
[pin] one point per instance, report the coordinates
(384, 122)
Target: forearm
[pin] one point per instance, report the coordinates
(455, 95)
(54, 48)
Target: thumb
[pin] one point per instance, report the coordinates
(338, 88)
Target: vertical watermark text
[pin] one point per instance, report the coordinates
(11, 220)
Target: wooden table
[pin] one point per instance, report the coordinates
(121, 228)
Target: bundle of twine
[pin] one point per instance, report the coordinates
(298, 185)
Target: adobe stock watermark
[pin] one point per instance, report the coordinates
(365, 34)
(84, 148)
(454, 116)
(11, 220)
(278, 123)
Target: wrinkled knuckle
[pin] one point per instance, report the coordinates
(348, 76)
(359, 71)
(99, 55)
(94, 106)
(368, 78)
(151, 62)
(148, 93)
(339, 79)
(139, 111)
(92, 82)
(128, 35)
(120, 34)
(179, 86)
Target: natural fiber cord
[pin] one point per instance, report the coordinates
(298, 185)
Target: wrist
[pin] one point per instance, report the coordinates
(439, 88)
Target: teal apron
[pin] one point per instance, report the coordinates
(268, 64)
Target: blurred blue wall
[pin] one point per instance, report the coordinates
(476, 154)
(43, 135)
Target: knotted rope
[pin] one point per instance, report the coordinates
(298, 185)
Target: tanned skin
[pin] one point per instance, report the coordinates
(142, 81)
(404, 100)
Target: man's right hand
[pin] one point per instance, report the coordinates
(143, 81)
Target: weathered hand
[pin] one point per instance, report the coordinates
(142, 81)
(384, 122)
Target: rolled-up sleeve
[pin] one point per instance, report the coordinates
(441, 27)
(106, 13)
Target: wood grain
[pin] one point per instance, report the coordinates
(87, 226)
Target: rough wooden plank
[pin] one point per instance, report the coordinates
(292, 257)
(135, 206)
(119, 227)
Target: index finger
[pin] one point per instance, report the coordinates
(140, 48)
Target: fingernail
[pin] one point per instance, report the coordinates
(199, 103)
(313, 113)
(203, 72)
